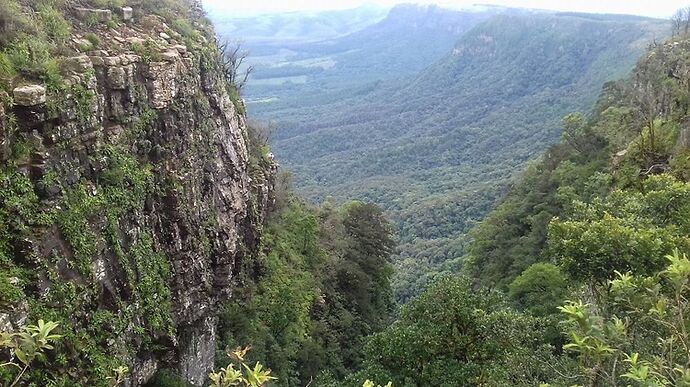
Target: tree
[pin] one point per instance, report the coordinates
(651, 93)
(638, 332)
(456, 335)
(680, 22)
(234, 57)
(630, 230)
(540, 289)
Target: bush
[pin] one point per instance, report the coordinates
(108, 4)
(93, 39)
(12, 21)
(183, 27)
(167, 378)
(54, 24)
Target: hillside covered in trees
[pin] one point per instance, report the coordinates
(437, 149)
(580, 276)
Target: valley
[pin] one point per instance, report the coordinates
(437, 143)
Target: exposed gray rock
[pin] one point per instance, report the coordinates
(101, 15)
(78, 64)
(180, 48)
(143, 371)
(112, 61)
(29, 95)
(162, 83)
(170, 55)
(684, 135)
(97, 61)
(127, 13)
(194, 144)
(198, 349)
(4, 149)
(5, 323)
(117, 78)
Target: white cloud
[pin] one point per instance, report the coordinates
(654, 8)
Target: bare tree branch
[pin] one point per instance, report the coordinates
(234, 58)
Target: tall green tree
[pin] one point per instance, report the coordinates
(456, 335)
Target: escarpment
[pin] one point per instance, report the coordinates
(128, 204)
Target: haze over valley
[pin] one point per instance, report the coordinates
(429, 112)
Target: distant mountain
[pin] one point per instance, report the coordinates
(409, 39)
(294, 27)
(437, 150)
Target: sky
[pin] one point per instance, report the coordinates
(653, 8)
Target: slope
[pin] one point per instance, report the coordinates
(608, 209)
(436, 151)
(293, 27)
(407, 40)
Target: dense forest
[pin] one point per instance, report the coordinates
(580, 276)
(324, 286)
(437, 151)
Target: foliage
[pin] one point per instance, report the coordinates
(638, 332)
(77, 241)
(437, 149)
(322, 286)
(167, 378)
(86, 331)
(32, 35)
(93, 39)
(31, 343)
(243, 376)
(540, 289)
(455, 334)
(627, 231)
(369, 383)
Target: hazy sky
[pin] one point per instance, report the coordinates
(655, 8)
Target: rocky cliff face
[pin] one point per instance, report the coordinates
(129, 204)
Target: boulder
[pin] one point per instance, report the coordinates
(170, 55)
(78, 64)
(117, 78)
(127, 13)
(29, 95)
(112, 61)
(97, 61)
(101, 15)
(162, 83)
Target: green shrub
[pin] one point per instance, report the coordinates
(167, 378)
(29, 57)
(54, 24)
(93, 39)
(109, 4)
(168, 9)
(28, 345)
(184, 28)
(148, 51)
(12, 21)
(7, 72)
(9, 292)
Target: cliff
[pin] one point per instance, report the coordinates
(128, 201)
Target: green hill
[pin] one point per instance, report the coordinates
(437, 151)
